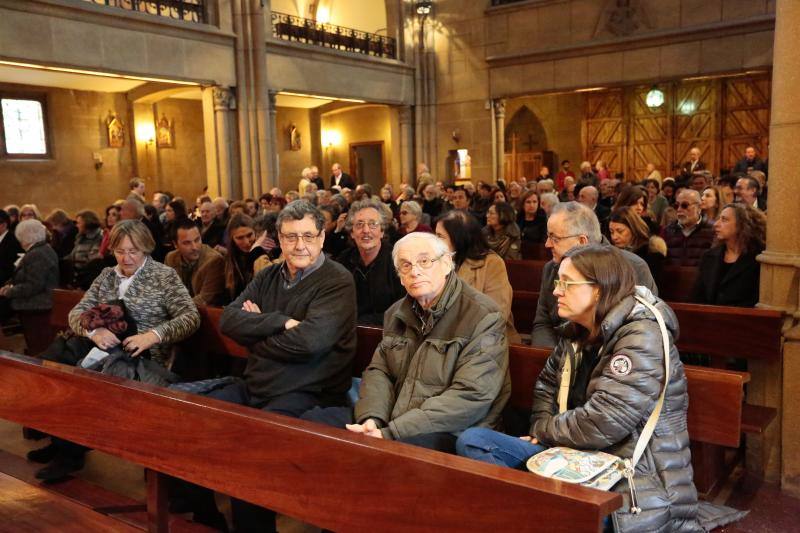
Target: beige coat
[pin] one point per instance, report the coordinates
(208, 278)
(489, 276)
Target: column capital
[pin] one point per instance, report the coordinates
(405, 115)
(224, 99)
(499, 108)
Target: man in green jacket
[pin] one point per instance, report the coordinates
(442, 365)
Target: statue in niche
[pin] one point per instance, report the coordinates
(622, 18)
(294, 138)
(165, 133)
(116, 131)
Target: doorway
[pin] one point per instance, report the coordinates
(367, 164)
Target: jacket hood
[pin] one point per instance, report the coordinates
(629, 309)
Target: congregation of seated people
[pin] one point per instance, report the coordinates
(297, 271)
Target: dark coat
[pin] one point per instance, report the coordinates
(34, 279)
(744, 166)
(686, 251)
(377, 285)
(737, 287)
(345, 181)
(616, 408)
(9, 252)
(686, 169)
(547, 320)
(533, 230)
(214, 234)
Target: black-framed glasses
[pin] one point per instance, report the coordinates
(685, 205)
(424, 263)
(292, 238)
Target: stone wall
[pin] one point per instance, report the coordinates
(76, 128)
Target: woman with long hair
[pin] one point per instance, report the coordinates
(615, 348)
(476, 263)
(711, 202)
(502, 232)
(531, 218)
(241, 254)
(112, 217)
(636, 197)
(629, 232)
(728, 273)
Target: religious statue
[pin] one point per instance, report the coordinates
(294, 138)
(165, 133)
(116, 131)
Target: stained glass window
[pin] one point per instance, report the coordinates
(23, 127)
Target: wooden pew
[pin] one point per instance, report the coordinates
(676, 283)
(325, 476)
(525, 275)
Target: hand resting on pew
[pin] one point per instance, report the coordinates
(369, 428)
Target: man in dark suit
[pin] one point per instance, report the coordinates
(341, 179)
(692, 165)
(750, 162)
(9, 248)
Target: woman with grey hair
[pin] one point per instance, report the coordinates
(410, 216)
(547, 201)
(29, 292)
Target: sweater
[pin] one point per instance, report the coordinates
(316, 355)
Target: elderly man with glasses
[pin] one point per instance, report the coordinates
(298, 320)
(572, 224)
(442, 365)
(370, 261)
(688, 237)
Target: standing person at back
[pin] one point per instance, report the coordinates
(341, 179)
(572, 224)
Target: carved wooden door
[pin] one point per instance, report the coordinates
(695, 123)
(651, 134)
(604, 130)
(746, 117)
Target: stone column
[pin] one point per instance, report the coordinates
(500, 137)
(273, 170)
(220, 142)
(407, 168)
(777, 454)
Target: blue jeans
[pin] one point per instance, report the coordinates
(496, 448)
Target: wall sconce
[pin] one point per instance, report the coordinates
(456, 135)
(146, 133)
(331, 138)
(654, 98)
(424, 8)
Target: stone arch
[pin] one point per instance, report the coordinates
(529, 132)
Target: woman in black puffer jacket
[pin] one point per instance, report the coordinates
(618, 375)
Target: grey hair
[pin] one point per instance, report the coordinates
(306, 172)
(695, 194)
(549, 198)
(30, 232)
(298, 210)
(413, 208)
(369, 203)
(440, 247)
(579, 219)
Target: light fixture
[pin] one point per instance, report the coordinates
(331, 138)
(655, 98)
(96, 73)
(145, 133)
(424, 8)
(323, 15)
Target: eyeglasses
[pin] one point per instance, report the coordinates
(371, 224)
(403, 212)
(423, 263)
(563, 285)
(292, 238)
(128, 253)
(556, 239)
(685, 205)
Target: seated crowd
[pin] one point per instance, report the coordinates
(297, 272)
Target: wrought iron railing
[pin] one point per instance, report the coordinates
(188, 10)
(291, 28)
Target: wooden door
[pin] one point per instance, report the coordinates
(604, 132)
(651, 134)
(746, 116)
(695, 123)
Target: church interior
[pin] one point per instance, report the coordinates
(237, 99)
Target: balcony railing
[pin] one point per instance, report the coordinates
(187, 10)
(291, 28)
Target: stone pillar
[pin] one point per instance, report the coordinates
(500, 138)
(407, 167)
(272, 146)
(218, 103)
(777, 453)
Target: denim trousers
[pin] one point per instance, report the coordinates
(496, 448)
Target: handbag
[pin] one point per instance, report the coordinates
(595, 469)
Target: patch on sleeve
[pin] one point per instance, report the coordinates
(621, 365)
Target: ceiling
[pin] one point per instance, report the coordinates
(66, 80)
(286, 100)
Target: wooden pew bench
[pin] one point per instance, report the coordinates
(324, 476)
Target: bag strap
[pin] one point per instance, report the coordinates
(650, 426)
